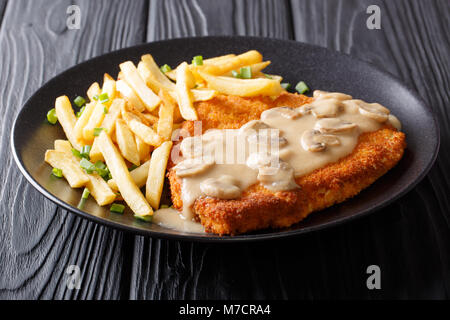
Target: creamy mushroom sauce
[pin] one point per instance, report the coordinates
(310, 137)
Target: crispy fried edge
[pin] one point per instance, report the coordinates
(375, 154)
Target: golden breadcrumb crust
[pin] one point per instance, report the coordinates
(259, 208)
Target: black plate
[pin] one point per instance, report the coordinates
(318, 67)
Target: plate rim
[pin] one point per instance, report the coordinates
(277, 234)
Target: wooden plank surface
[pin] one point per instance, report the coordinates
(38, 241)
(409, 240)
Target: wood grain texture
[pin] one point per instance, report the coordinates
(407, 239)
(38, 241)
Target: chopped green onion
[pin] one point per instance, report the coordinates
(85, 150)
(76, 153)
(95, 97)
(79, 101)
(117, 208)
(87, 165)
(81, 203)
(85, 194)
(165, 68)
(109, 177)
(236, 74)
(132, 167)
(97, 131)
(246, 73)
(197, 61)
(105, 110)
(285, 86)
(79, 113)
(164, 206)
(99, 164)
(51, 116)
(57, 172)
(147, 218)
(301, 87)
(267, 76)
(103, 98)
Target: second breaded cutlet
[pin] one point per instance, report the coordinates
(259, 208)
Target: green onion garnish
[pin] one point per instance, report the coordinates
(197, 61)
(57, 172)
(79, 113)
(103, 98)
(85, 194)
(105, 110)
(97, 131)
(236, 74)
(51, 116)
(267, 76)
(85, 150)
(76, 153)
(79, 101)
(87, 165)
(99, 164)
(81, 203)
(132, 167)
(301, 87)
(165, 68)
(147, 218)
(285, 85)
(246, 73)
(117, 208)
(95, 97)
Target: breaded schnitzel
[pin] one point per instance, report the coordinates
(258, 208)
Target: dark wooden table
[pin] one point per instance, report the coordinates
(409, 240)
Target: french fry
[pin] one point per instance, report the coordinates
(98, 187)
(243, 87)
(63, 146)
(94, 90)
(203, 94)
(269, 76)
(67, 119)
(245, 59)
(83, 120)
(128, 93)
(149, 118)
(156, 173)
(142, 148)
(71, 169)
(94, 122)
(148, 64)
(185, 82)
(100, 190)
(126, 142)
(165, 123)
(101, 108)
(109, 87)
(147, 134)
(119, 171)
(172, 74)
(131, 75)
(255, 68)
(139, 176)
(108, 124)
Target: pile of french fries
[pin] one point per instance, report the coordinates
(125, 128)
